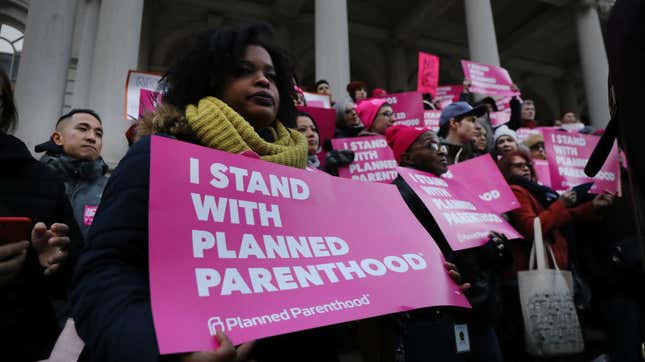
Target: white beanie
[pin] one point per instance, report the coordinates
(505, 131)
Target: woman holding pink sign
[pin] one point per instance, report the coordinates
(429, 332)
(231, 91)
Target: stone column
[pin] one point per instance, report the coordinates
(595, 68)
(398, 79)
(88, 26)
(42, 77)
(116, 52)
(482, 42)
(332, 45)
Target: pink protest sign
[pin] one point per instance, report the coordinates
(542, 172)
(463, 218)
(447, 94)
(499, 118)
(431, 119)
(568, 154)
(489, 185)
(428, 73)
(524, 133)
(373, 159)
(232, 247)
(148, 101)
(407, 107)
(325, 119)
(317, 100)
(488, 79)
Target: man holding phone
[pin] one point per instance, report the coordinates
(74, 154)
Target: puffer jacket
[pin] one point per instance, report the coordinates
(84, 184)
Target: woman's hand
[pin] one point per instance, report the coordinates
(226, 352)
(51, 245)
(569, 198)
(455, 276)
(602, 201)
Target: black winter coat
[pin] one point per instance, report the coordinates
(28, 188)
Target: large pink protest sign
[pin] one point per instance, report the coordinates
(148, 101)
(428, 73)
(447, 94)
(431, 119)
(489, 185)
(568, 154)
(135, 82)
(407, 107)
(373, 159)
(499, 118)
(325, 119)
(542, 172)
(232, 247)
(488, 79)
(463, 218)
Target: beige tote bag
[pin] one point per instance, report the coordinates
(551, 324)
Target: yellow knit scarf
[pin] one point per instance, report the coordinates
(218, 126)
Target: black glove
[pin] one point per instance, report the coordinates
(495, 254)
(336, 159)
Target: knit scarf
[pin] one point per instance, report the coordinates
(218, 126)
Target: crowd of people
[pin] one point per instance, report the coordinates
(232, 90)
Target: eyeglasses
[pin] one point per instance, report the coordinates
(435, 147)
(388, 114)
(521, 165)
(351, 110)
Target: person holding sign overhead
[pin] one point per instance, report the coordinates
(420, 149)
(232, 91)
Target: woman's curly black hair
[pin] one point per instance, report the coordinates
(9, 115)
(215, 55)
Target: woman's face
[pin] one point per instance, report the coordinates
(360, 93)
(479, 142)
(538, 151)
(384, 119)
(505, 144)
(350, 115)
(427, 154)
(520, 167)
(251, 90)
(307, 127)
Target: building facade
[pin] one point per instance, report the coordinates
(77, 53)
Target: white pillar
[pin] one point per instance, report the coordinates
(593, 57)
(332, 45)
(482, 41)
(40, 87)
(116, 52)
(88, 26)
(398, 69)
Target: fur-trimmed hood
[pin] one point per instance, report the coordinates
(165, 119)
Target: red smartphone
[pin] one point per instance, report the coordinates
(14, 229)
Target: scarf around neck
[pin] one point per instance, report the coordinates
(218, 126)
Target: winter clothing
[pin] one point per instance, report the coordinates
(504, 131)
(111, 294)
(30, 189)
(368, 109)
(399, 138)
(218, 126)
(84, 184)
(313, 161)
(477, 266)
(553, 214)
(457, 153)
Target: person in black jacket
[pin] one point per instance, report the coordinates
(31, 271)
(420, 149)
